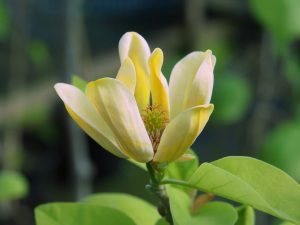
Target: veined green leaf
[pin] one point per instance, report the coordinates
(251, 182)
(140, 211)
(79, 214)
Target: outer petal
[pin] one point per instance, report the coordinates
(118, 107)
(135, 47)
(159, 85)
(127, 75)
(191, 81)
(86, 116)
(181, 132)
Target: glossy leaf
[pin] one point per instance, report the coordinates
(78, 214)
(215, 213)
(12, 185)
(246, 216)
(140, 211)
(251, 182)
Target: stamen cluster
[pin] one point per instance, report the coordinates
(155, 120)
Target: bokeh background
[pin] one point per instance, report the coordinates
(44, 157)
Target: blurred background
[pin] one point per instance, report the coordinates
(44, 157)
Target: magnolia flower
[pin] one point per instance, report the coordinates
(137, 115)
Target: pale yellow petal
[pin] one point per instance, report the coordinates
(127, 75)
(134, 46)
(86, 116)
(159, 85)
(181, 133)
(191, 82)
(118, 107)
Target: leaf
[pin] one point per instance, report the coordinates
(161, 221)
(180, 204)
(140, 211)
(232, 95)
(183, 170)
(246, 216)
(251, 182)
(215, 213)
(285, 141)
(12, 185)
(79, 214)
(283, 20)
(78, 82)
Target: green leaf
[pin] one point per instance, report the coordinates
(180, 204)
(251, 182)
(285, 141)
(246, 216)
(161, 221)
(212, 213)
(215, 213)
(282, 20)
(232, 96)
(5, 18)
(183, 170)
(140, 211)
(12, 185)
(78, 82)
(79, 214)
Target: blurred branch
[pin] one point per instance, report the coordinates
(265, 94)
(73, 60)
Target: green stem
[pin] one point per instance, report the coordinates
(159, 190)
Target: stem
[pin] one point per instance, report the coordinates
(159, 190)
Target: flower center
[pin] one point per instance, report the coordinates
(155, 120)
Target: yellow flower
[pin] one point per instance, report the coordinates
(122, 116)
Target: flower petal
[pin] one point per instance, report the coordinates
(159, 85)
(86, 116)
(181, 132)
(118, 108)
(135, 47)
(191, 81)
(127, 75)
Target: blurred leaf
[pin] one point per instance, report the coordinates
(39, 53)
(246, 216)
(78, 82)
(140, 211)
(231, 97)
(281, 148)
(12, 185)
(79, 214)
(5, 24)
(215, 213)
(281, 17)
(251, 182)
